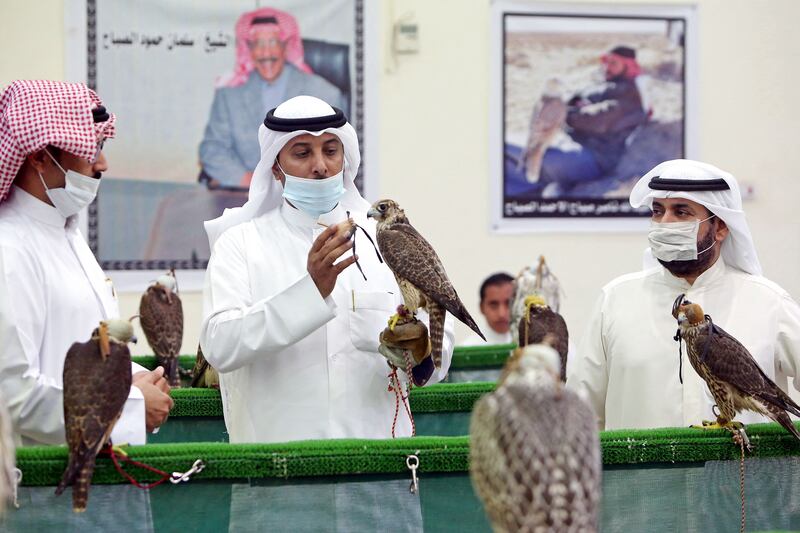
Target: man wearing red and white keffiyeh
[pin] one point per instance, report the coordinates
(52, 291)
(270, 68)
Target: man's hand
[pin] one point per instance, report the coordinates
(157, 401)
(327, 248)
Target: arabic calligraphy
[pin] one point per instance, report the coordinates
(209, 41)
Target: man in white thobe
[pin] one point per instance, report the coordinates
(627, 364)
(293, 333)
(52, 291)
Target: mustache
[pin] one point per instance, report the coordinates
(267, 60)
(97, 175)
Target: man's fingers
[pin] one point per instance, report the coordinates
(163, 385)
(336, 254)
(333, 243)
(154, 375)
(344, 264)
(322, 238)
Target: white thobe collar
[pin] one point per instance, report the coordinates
(706, 279)
(299, 218)
(25, 203)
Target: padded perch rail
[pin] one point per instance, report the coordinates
(45, 465)
(464, 357)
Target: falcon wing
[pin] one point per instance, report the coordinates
(411, 257)
(730, 361)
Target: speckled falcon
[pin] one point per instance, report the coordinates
(734, 378)
(534, 449)
(97, 380)
(419, 272)
(161, 316)
(540, 321)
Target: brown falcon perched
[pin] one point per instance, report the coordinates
(161, 316)
(419, 273)
(534, 449)
(734, 378)
(97, 380)
(539, 321)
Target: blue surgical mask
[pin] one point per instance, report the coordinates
(314, 196)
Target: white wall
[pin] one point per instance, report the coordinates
(434, 147)
(434, 138)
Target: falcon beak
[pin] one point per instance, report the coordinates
(681, 318)
(373, 213)
(134, 339)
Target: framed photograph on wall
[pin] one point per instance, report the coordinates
(190, 83)
(585, 100)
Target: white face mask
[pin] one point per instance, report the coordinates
(314, 196)
(78, 191)
(676, 241)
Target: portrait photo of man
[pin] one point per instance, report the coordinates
(270, 68)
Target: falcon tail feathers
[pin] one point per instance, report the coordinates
(171, 367)
(80, 489)
(436, 316)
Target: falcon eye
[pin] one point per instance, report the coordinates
(382, 207)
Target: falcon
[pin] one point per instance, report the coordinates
(419, 273)
(534, 280)
(97, 380)
(203, 374)
(161, 316)
(541, 321)
(535, 458)
(547, 119)
(734, 378)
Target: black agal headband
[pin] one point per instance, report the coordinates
(712, 184)
(337, 120)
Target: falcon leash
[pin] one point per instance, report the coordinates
(174, 478)
(396, 387)
(366, 233)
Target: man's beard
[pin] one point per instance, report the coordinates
(695, 267)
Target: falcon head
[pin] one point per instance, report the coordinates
(386, 212)
(168, 281)
(687, 313)
(535, 300)
(534, 362)
(120, 330)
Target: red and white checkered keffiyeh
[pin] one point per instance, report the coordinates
(290, 33)
(38, 113)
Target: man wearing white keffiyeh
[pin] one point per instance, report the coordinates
(627, 363)
(294, 333)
